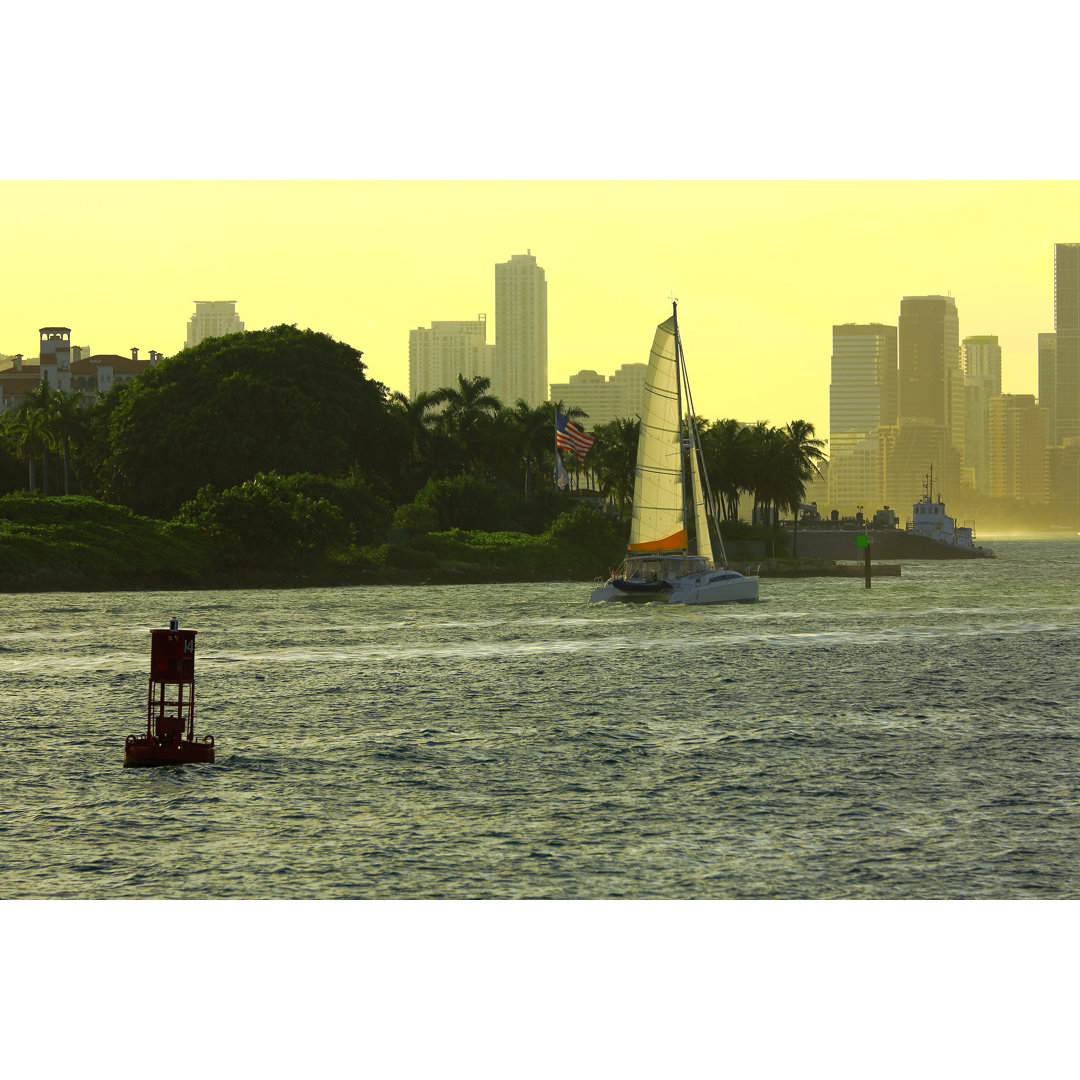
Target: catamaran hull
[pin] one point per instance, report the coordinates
(740, 590)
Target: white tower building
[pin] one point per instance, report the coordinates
(212, 318)
(521, 344)
(441, 352)
(604, 399)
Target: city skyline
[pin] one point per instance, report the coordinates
(762, 270)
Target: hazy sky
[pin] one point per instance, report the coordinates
(361, 169)
(761, 270)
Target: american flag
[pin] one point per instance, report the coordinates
(568, 436)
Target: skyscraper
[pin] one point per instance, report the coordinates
(1065, 404)
(982, 356)
(862, 393)
(441, 352)
(1018, 461)
(929, 363)
(212, 318)
(1047, 364)
(862, 399)
(982, 381)
(931, 394)
(521, 345)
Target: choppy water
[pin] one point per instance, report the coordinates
(920, 739)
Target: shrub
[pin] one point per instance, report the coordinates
(460, 502)
(264, 523)
(417, 517)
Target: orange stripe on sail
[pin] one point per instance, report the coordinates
(674, 542)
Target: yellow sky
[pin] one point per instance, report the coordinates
(762, 270)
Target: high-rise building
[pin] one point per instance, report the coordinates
(929, 363)
(857, 475)
(1064, 405)
(1018, 440)
(931, 390)
(912, 450)
(604, 399)
(982, 381)
(862, 399)
(1047, 363)
(982, 356)
(1063, 468)
(862, 393)
(440, 353)
(978, 392)
(521, 343)
(212, 318)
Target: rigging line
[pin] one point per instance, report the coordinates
(695, 444)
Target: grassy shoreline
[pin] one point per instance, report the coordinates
(78, 544)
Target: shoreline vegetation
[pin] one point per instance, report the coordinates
(74, 543)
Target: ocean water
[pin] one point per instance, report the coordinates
(920, 739)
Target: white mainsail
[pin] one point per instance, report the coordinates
(657, 523)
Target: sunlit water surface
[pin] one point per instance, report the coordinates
(918, 739)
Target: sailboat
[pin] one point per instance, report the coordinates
(675, 553)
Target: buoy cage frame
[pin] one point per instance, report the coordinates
(170, 720)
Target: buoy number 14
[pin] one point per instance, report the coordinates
(189, 645)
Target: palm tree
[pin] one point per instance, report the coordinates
(726, 448)
(416, 415)
(806, 451)
(767, 468)
(32, 438)
(66, 419)
(616, 459)
(535, 429)
(496, 446)
(465, 407)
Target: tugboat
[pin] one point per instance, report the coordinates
(170, 721)
(930, 520)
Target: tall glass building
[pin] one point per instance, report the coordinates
(521, 341)
(862, 399)
(1065, 408)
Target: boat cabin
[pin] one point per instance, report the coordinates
(664, 567)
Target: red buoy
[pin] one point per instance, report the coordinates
(170, 720)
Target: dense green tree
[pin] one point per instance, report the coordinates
(461, 502)
(593, 530)
(279, 400)
(264, 523)
(365, 514)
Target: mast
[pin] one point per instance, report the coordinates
(705, 545)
